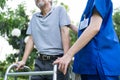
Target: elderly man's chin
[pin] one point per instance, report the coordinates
(40, 4)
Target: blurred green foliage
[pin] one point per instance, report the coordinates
(2, 3)
(13, 19)
(116, 19)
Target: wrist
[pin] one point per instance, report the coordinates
(24, 61)
(69, 55)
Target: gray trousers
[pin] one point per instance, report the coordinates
(46, 65)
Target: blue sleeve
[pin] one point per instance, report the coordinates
(102, 6)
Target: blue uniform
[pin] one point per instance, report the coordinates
(102, 54)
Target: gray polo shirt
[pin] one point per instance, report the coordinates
(45, 30)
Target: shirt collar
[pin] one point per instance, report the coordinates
(40, 15)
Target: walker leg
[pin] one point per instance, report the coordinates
(55, 72)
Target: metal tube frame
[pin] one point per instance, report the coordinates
(8, 73)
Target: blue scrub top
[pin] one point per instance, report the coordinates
(102, 53)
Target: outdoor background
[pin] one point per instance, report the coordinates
(14, 20)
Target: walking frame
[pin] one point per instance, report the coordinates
(14, 74)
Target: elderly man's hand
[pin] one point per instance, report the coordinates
(21, 64)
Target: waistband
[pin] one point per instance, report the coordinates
(48, 57)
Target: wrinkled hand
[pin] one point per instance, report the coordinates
(63, 63)
(21, 64)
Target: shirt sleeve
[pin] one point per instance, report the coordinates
(63, 17)
(29, 29)
(102, 6)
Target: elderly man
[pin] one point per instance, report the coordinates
(48, 30)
